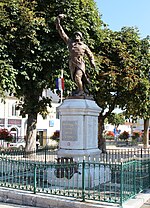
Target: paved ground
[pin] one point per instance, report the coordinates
(7, 205)
(146, 204)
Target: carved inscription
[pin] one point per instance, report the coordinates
(69, 130)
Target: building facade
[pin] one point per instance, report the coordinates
(11, 119)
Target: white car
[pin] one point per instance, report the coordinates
(20, 144)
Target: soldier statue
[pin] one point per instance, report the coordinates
(77, 51)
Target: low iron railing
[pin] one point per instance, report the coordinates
(49, 154)
(45, 154)
(105, 181)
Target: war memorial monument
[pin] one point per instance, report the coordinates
(78, 117)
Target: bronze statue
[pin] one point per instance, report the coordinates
(77, 51)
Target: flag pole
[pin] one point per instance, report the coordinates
(61, 97)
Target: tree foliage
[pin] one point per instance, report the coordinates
(34, 52)
(118, 70)
(7, 71)
(139, 104)
(33, 55)
(121, 76)
(116, 119)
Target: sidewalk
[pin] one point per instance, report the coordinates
(7, 205)
(146, 204)
(142, 200)
(22, 198)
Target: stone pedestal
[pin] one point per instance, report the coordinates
(78, 142)
(78, 129)
(93, 176)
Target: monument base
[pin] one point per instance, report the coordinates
(80, 155)
(78, 129)
(76, 177)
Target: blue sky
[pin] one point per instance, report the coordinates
(130, 13)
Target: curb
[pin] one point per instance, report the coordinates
(13, 196)
(138, 201)
(25, 198)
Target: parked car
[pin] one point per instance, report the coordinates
(20, 144)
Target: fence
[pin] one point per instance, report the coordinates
(49, 154)
(126, 154)
(105, 181)
(46, 154)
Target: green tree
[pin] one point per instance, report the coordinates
(36, 53)
(7, 71)
(22, 29)
(139, 104)
(118, 72)
(116, 119)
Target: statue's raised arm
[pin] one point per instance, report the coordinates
(60, 29)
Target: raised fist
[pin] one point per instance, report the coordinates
(61, 16)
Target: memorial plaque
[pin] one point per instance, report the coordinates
(69, 130)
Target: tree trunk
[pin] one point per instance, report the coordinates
(101, 138)
(146, 133)
(31, 132)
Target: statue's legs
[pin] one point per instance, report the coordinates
(78, 80)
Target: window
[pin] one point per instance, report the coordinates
(14, 112)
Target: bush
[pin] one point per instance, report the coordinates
(124, 135)
(5, 135)
(55, 136)
(136, 135)
(109, 135)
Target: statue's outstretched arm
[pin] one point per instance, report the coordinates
(60, 29)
